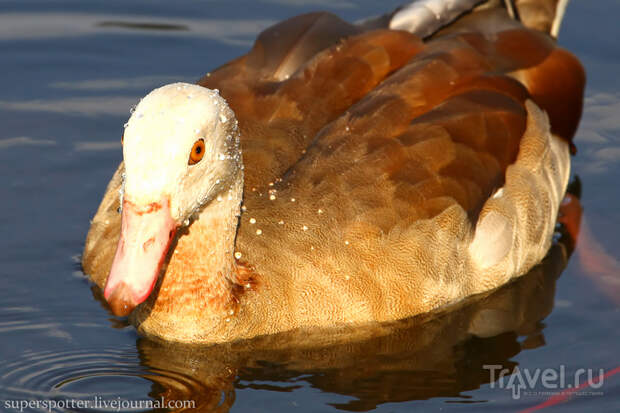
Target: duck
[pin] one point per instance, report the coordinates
(342, 174)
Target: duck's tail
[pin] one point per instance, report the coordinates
(543, 15)
(426, 17)
(554, 78)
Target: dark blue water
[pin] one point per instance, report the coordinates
(70, 72)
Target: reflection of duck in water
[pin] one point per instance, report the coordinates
(431, 355)
(352, 174)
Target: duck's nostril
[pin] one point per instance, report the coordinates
(147, 244)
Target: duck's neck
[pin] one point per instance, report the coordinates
(198, 281)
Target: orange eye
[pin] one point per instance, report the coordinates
(198, 151)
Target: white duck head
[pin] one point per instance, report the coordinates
(181, 151)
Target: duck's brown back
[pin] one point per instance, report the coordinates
(300, 76)
(432, 123)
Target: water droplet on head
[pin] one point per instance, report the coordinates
(259, 231)
(346, 242)
(281, 222)
(272, 197)
(292, 199)
(320, 211)
(252, 220)
(304, 228)
(237, 255)
(223, 118)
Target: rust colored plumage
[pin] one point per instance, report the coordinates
(298, 98)
(284, 93)
(375, 164)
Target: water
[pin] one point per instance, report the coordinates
(72, 70)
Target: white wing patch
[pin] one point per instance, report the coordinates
(425, 17)
(516, 223)
(492, 240)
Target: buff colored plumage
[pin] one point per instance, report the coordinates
(361, 176)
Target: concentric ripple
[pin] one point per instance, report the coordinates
(96, 376)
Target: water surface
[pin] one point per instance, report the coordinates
(72, 70)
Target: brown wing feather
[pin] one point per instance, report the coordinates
(439, 131)
(553, 77)
(557, 85)
(286, 89)
(537, 14)
(282, 49)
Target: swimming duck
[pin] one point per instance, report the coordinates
(342, 174)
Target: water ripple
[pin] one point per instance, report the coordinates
(90, 375)
(22, 26)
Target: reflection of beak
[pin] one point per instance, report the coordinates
(146, 234)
